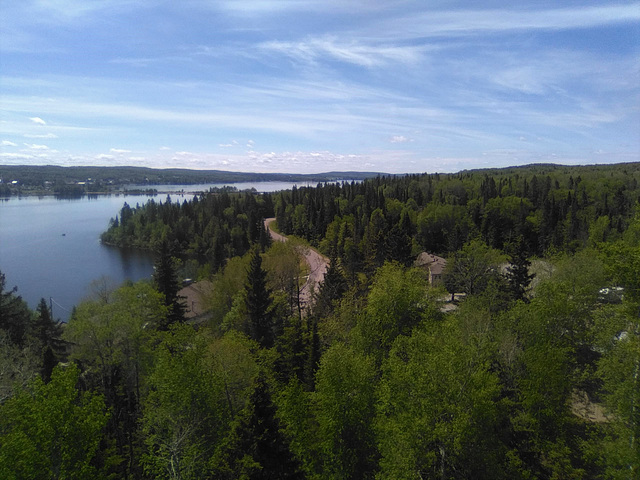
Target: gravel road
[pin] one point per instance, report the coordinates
(317, 264)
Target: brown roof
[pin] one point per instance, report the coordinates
(426, 259)
(194, 294)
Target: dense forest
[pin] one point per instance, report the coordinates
(522, 362)
(70, 181)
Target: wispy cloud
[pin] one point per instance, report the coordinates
(8, 143)
(431, 24)
(34, 146)
(44, 135)
(38, 120)
(119, 150)
(354, 52)
(15, 155)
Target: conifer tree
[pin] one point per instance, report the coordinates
(167, 283)
(45, 329)
(259, 303)
(47, 333)
(14, 313)
(313, 354)
(518, 275)
(332, 288)
(258, 450)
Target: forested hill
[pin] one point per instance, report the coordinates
(546, 206)
(102, 179)
(542, 207)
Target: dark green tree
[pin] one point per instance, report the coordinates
(166, 281)
(259, 303)
(331, 289)
(399, 241)
(14, 313)
(48, 335)
(257, 448)
(471, 269)
(518, 274)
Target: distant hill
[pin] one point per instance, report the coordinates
(29, 175)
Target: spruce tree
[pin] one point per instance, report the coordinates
(14, 313)
(259, 303)
(47, 334)
(45, 329)
(166, 280)
(518, 275)
(258, 450)
(332, 288)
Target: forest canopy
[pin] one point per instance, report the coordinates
(520, 361)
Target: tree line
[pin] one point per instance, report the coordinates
(533, 373)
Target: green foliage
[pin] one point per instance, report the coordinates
(15, 315)
(165, 277)
(18, 366)
(257, 448)
(113, 343)
(437, 410)
(472, 269)
(194, 389)
(52, 431)
(396, 303)
(260, 326)
(345, 402)
(383, 377)
(212, 228)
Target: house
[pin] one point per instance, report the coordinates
(194, 295)
(433, 264)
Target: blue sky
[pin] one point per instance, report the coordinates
(318, 85)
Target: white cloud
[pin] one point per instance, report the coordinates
(15, 155)
(225, 145)
(104, 156)
(7, 143)
(44, 135)
(456, 23)
(119, 150)
(37, 120)
(354, 52)
(34, 146)
(399, 139)
(164, 148)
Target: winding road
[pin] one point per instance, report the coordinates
(317, 262)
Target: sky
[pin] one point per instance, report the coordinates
(308, 86)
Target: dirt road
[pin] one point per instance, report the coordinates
(317, 265)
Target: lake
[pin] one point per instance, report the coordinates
(50, 248)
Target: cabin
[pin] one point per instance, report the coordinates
(434, 266)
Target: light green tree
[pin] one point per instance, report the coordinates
(345, 406)
(397, 302)
(437, 407)
(52, 431)
(196, 387)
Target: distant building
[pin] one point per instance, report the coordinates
(433, 264)
(194, 296)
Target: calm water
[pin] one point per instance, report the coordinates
(51, 248)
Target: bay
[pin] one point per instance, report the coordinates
(50, 248)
